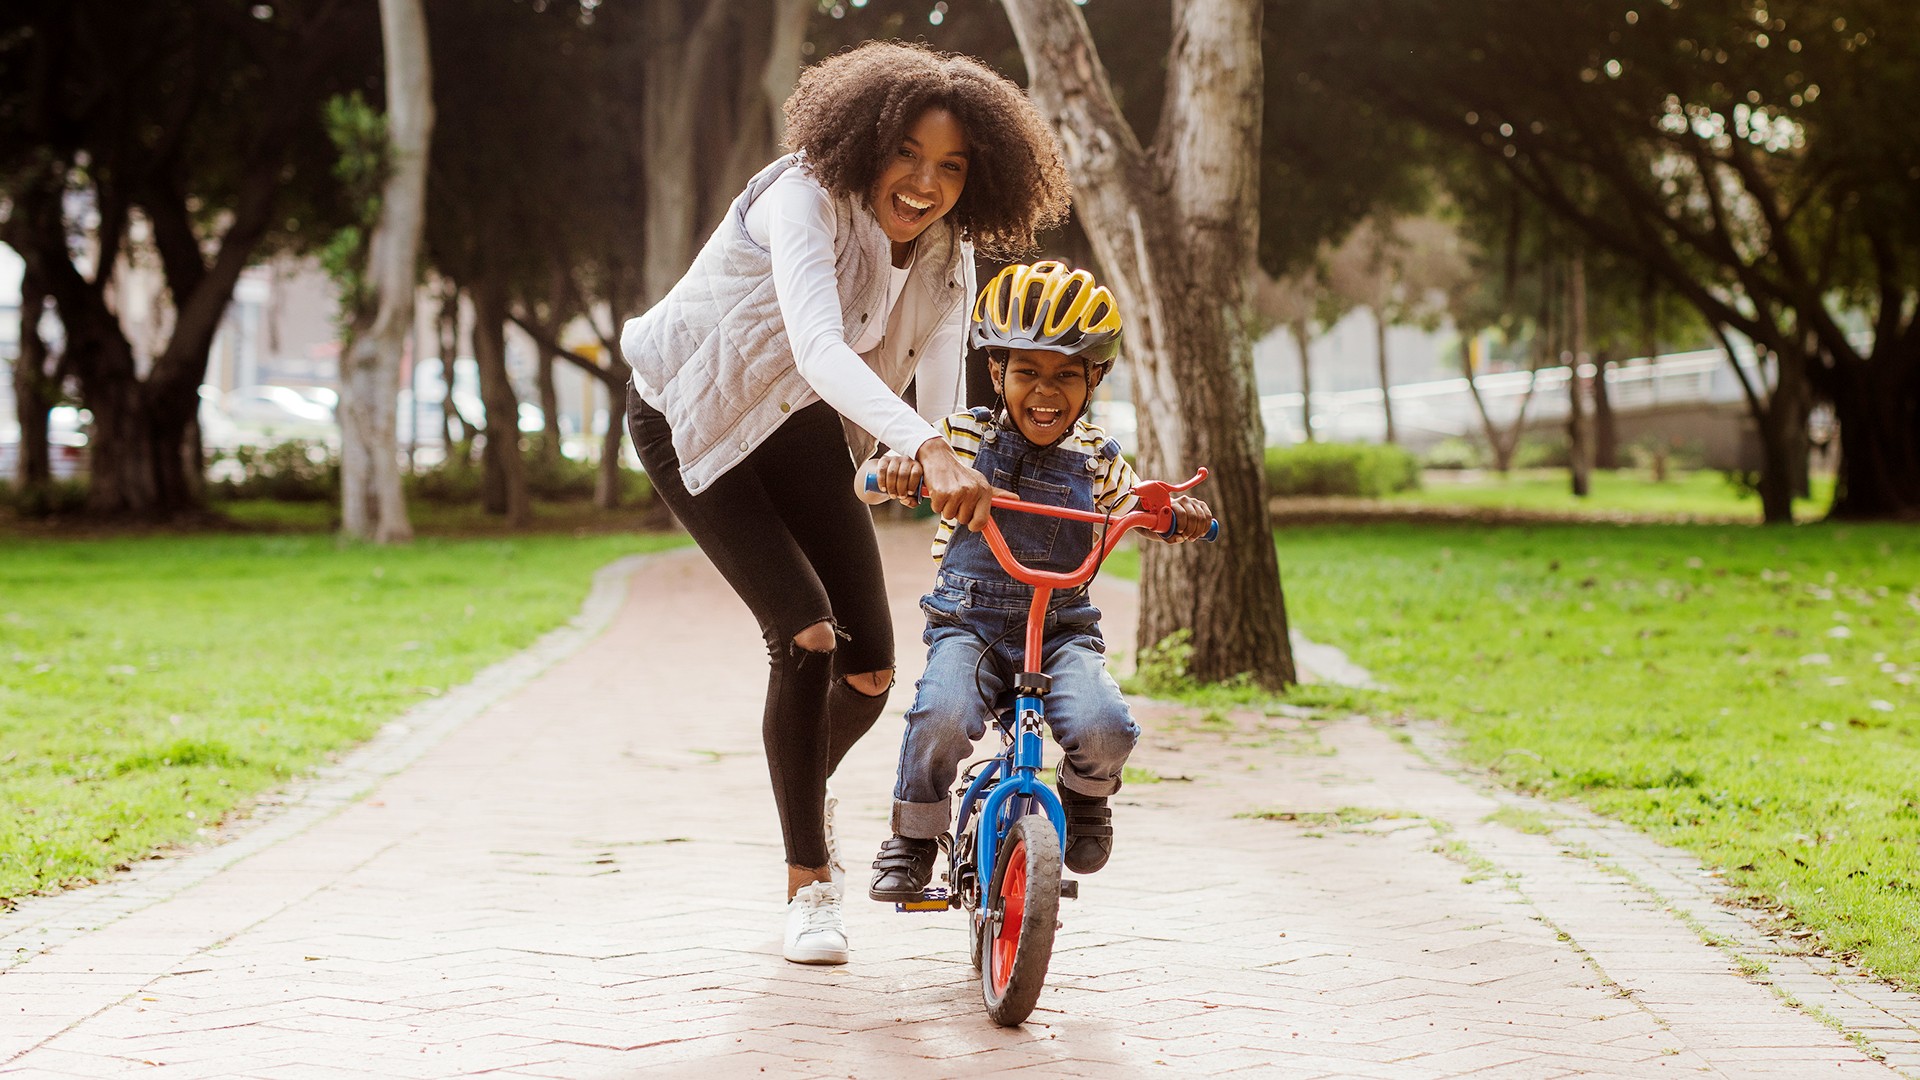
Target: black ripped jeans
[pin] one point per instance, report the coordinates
(785, 530)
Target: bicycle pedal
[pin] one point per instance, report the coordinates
(936, 898)
(1069, 889)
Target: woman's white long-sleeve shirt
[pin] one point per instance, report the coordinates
(794, 220)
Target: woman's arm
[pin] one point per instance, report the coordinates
(800, 236)
(939, 384)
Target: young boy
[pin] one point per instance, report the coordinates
(1051, 335)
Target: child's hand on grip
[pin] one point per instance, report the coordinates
(1192, 518)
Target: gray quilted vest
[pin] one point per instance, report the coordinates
(713, 354)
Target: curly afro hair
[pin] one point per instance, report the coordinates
(849, 113)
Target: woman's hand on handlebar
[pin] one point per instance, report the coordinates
(899, 477)
(959, 493)
(1191, 519)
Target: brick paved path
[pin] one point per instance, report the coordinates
(575, 873)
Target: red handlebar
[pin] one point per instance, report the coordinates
(1155, 512)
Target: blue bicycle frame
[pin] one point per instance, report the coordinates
(1021, 788)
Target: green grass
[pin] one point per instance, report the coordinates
(1700, 493)
(1520, 820)
(1752, 695)
(150, 685)
(435, 519)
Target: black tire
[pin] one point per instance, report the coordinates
(1015, 950)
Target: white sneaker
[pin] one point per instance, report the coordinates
(815, 932)
(838, 868)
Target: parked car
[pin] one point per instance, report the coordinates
(66, 443)
(271, 414)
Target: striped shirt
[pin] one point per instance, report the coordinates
(1112, 482)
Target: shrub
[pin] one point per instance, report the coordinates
(1537, 453)
(1356, 469)
(1661, 457)
(47, 500)
(292, 471)
(1162, 670)
(1455, 452)
(457, 480)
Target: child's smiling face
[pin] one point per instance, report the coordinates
(1045, 392)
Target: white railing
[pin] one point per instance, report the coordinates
(1444, 407)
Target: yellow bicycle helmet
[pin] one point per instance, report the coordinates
(1049, 307)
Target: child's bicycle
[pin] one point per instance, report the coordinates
(1004, 858)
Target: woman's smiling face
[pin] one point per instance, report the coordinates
(922, 180)
(1045, 392)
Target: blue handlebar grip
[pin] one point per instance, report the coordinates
(873, 481)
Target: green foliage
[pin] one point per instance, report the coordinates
(559, 479)
(294, 471)
(1693, 494)
(156, 684)
(1543, 452)
(1662, 458)
(1359, 469)
(301, 471)
(359, 136)
(1752, 696)
(1454, 453)
(52, 499)
(1162, 668)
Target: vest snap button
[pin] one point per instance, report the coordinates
(784, 406)
(863, 316)
(743, 446)
(909, 352)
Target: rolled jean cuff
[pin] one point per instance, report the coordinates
(922, 820)
(1083, 785)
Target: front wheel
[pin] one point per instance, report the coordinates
(1023, 908)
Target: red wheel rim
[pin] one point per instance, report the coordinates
(1013, 911)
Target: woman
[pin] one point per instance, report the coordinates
(842, 274)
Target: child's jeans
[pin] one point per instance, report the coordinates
(1085, 709)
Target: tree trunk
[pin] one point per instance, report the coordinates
(1776, 467)
(35, 389)
(373, 503)
(1300, 340)
(1793, 398)
(784, 59)
(613, 376)
(453, 426)
(1877, 403)
(121, 475)
(1606, 434)
(1171, 228)
(676, 61)
(1386, 381)
(1579, 434)
(543, 385)
(504, 486)
(1500, 446)
(607, 482)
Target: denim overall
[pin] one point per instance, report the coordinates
(976, 640)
